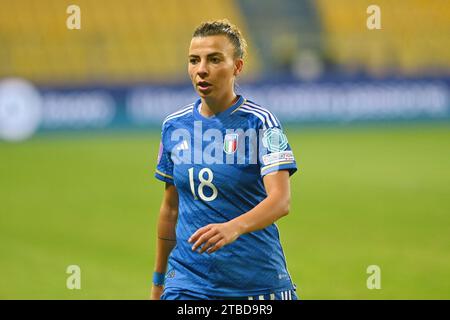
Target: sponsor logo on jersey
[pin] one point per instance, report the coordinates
(183, 145)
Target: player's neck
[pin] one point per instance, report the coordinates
(211, 107)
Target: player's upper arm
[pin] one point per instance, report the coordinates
(277, 185)
(169, 206)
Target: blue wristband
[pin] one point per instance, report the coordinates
(158, 278)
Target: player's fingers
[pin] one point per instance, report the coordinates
(204, 237)
(210, 243)
(198, 233)
(217, 246)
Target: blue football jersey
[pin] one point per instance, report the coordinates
(217, 165)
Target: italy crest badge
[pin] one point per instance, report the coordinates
(230, 143)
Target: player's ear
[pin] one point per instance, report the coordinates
(238, 66)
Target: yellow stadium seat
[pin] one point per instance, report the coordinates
(119, 41)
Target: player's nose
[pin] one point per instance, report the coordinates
(202, 70)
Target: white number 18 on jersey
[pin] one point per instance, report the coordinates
(203, 183)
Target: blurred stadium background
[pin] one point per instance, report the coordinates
(366, 111)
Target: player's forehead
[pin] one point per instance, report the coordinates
(203, 46)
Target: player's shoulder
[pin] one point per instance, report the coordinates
(178, 115)
(262, 115)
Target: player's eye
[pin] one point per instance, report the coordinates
(193, 61)
(215, 60)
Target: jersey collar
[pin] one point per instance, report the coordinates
(222, 114)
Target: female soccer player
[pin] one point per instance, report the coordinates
(226, 163)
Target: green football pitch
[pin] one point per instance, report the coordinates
(366, 195)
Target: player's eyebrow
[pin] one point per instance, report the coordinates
(209, 55)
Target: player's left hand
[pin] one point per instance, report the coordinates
(214, 236)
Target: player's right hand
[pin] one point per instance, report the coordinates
(156, 292)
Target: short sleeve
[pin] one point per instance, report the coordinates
(164, 168)
(275, 153)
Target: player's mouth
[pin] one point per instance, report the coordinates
(203, 86)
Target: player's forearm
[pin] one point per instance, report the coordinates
(268, 211)
(166, 240)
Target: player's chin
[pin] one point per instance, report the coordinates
(204, 93)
